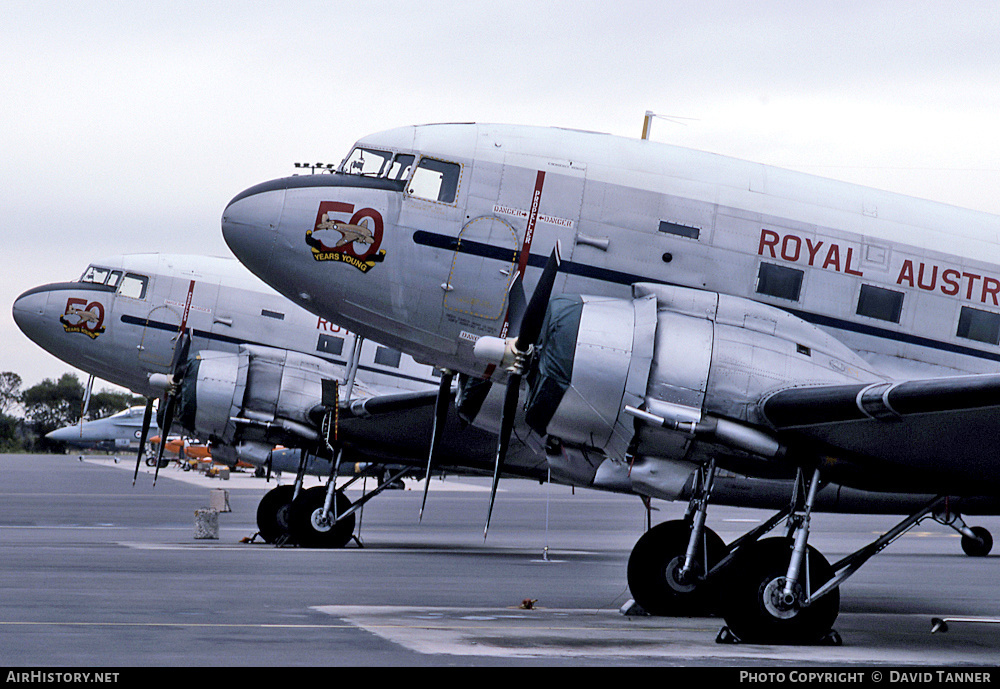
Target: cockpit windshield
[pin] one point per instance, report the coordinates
(371, 162)
(131, 285)
(99, 275)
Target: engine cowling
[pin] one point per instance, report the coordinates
(255, 398)
(672, 374)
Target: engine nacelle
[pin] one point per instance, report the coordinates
(254, 399)
(594, 355)
(653, 376)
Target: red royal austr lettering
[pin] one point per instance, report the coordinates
(813, 250)
(906, 273)
(847, 266)
(768, 239)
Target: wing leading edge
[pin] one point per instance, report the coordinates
(938, 433)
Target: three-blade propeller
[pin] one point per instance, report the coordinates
(178, 368)
(529, 328)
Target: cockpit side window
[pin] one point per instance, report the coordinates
(368, 162)
(436, 180)
(133, 286)
(401, 166)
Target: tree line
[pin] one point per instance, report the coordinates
(27, 415)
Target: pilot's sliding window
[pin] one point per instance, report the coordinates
(133, 286)
(976, 324)
(779, 281)
(435, 180)
(877, 302)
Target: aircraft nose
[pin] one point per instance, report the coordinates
(249, 226)
(63, 434)
(29, 312)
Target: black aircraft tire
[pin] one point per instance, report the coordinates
(272, 513)
(757, 571)
(650, 582)
(302, 524)
(980, 546)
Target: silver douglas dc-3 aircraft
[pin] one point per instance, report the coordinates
(667, 314)
(254, 365)
(255, 378)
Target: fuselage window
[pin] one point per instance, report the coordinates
(330, 345)
(114, 278)
(779, 281)
(982, 326)
(387, 357)
(876, 302)
(436, 180)
(679, 230)
(133, 286)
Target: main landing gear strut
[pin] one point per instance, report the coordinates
(769, 590)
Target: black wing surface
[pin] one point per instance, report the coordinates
(941, 434)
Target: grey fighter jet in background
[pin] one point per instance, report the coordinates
(115, 433)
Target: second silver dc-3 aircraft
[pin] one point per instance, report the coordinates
(688, 314)
(257, 363)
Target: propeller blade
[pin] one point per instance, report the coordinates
(146, 419)
(178, 367)
(440, 414)
(534, 313)
(517, 302)
(86, 401)
(181, 350)
(506, 428)
(168, 419)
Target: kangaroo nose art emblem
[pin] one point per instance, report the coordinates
(83, 317)
(354, 238)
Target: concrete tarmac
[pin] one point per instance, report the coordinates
(96, 572)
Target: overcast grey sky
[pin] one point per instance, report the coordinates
(127, 127)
